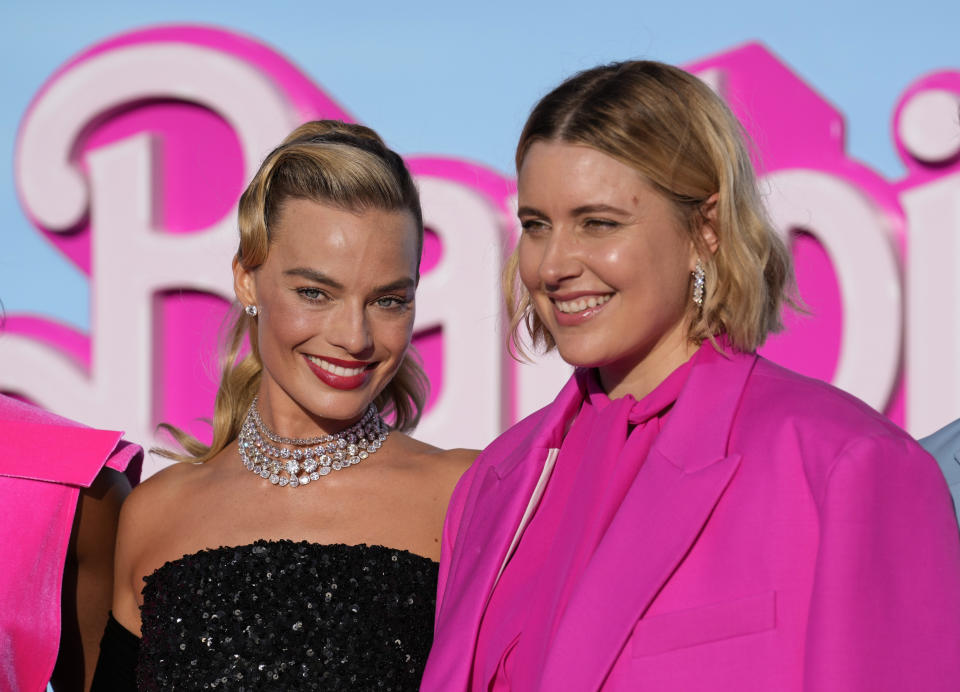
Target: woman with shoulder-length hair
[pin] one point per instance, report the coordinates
(685, 515)
(297, 551)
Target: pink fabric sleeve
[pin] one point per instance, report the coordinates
(885, 608)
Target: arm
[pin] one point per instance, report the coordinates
(120, 643)
(131, 535)
(88, 579)
(117, 665)
(451, 524)
(885, 607)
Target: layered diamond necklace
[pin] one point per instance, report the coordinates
(294, 462)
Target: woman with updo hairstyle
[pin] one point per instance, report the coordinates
(298, 550)
(686, 515)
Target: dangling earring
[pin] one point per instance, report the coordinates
(251, 310)
(699, 281)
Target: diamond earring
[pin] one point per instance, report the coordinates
(699, 281)
(251, 310)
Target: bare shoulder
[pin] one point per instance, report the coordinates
(422, 481)
(434, 460)
(154, 494)
(173, 488)
(458, 459)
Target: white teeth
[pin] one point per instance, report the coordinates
(335, 369)
(569, 306)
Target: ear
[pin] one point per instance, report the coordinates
(708, 231)
(244, 285)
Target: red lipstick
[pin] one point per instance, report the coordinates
(345, 382)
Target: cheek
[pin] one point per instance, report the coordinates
(618, 261)
(640, 264)
(400, 331)
(280, 323)
(393, 335)
(528, 264)
(618, 266)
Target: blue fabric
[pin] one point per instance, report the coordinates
(944, 445)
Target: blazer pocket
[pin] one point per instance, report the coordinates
(682, 628)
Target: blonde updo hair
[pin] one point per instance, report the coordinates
(328, 162)
(673, 129)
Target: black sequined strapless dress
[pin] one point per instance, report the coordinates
(279, 615)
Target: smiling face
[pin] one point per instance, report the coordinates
(335, 301)
(607, 264)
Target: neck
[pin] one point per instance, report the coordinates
(640, 377)
(286, 418)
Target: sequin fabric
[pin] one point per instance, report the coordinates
(284, 615)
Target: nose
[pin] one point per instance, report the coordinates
(560, 260)
(350, 331)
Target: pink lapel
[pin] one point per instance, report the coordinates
(39, 445)
(496, 504)
(684, 476)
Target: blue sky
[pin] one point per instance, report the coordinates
(457, 79)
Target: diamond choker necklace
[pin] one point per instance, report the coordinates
(296, 462)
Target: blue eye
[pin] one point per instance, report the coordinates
(312, 294)
(391, 302)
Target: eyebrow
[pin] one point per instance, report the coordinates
(529, 211)
(577, 211)
(599, 209)
(314, 275)
(398, 285)
(321, 278)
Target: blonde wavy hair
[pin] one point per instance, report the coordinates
(328, 162)
(673, 129)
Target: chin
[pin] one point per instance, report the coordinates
(581, 357)
(337, 406)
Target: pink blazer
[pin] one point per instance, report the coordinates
(780, 536)
(44, 461)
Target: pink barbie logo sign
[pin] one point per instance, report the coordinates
(131, 158)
